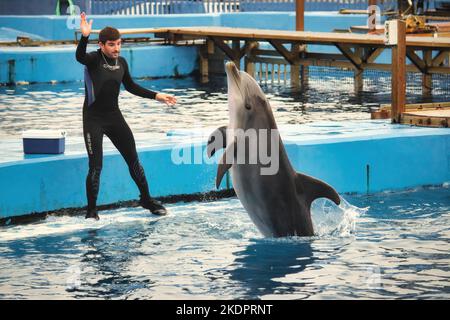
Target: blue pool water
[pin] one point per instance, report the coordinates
(395, 245)
(388, 245)
(329, 97)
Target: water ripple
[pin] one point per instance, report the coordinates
(213, 250)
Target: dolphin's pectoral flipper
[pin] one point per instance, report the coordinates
(216, 141)
(225, 163)
(314, 188)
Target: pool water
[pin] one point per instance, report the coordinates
(329, 97)
(387, 245)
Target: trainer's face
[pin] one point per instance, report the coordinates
(111, 48)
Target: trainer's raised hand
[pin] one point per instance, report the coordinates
(167, 99)
(85, 27)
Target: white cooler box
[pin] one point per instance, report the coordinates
(44, 141)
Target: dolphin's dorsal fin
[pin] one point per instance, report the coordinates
(314, 188)
(225, 162)
(217, 140)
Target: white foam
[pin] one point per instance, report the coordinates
(331, 220)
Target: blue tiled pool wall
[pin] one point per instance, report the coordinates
(352, 165)
(43, 64)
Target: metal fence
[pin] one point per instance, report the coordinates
(145, 7)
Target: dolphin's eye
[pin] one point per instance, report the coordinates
(248, 106)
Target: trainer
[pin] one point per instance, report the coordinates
(104, 72)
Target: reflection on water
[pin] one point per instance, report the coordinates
(261, 266)
(100, 258)
(399, 248)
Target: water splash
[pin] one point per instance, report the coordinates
(337, 221)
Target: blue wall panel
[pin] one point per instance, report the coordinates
(396, 162)
(43, 65)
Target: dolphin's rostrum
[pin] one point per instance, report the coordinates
(279, 201)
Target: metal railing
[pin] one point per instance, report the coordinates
(151, 7)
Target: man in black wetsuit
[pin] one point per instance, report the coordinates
(104, 72)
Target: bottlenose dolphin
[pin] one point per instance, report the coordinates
(279, 202)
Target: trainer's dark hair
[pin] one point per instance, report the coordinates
(108, 33)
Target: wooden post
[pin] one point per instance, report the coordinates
(204, 52)
(427, 84)
(359, 80)
(298, 71)
(203, 61)
(358, 74)
(210, 46)
(299, 15)
(249, 66)
(248, 60)
(295, 76)
(398, 65)
(236, 46)
(295, 67)
(304, 70)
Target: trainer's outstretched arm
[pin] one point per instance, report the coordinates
(136, 89)
(133, 87)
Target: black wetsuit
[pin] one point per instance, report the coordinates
(101, 115)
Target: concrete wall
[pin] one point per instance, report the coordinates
(38, 185)
(395, 161)
(47, 65)
(63, 27)
(314, 21)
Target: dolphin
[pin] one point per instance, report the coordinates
(278, 203)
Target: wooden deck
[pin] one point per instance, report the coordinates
(428, 118)
(436, 114)
(358, 51)
(427, 55)
(306, 37)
